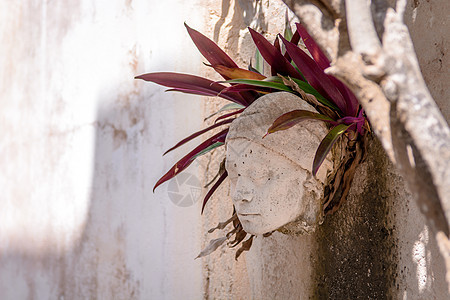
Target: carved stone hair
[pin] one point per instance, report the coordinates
(297, 144)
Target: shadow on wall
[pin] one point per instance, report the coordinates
(123, 251)
(97, 264)
(117, 239)
(246, 14)
(130, 248)
(105, 261)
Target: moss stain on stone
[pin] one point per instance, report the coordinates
(356, 248)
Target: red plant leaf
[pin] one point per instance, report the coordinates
(289, 119)
(318, 55)
(226, 107)
(192, 84)
(198, 133)
(295, 39)
(229, 115)
(276, 43)
(326, 144)
(351, 100)
(273, 56)
(214, 188)
(323, 62)
(315, 75)
(210, 50)
(221, 138)
(183, 163)
(215, 56)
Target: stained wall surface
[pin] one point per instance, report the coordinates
(378, 245)
(81, 147)
(80, 151)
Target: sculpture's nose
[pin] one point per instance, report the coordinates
(243, 191)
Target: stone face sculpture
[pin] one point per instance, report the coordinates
(272, 186)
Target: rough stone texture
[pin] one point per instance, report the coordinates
(428, 23)
(271, 185)
(378, 245)
(373, 248)
(281, 267)
(252, 275)
(355, 253)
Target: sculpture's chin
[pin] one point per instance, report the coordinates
(255, 231)
(255, 225)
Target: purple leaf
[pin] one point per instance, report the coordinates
(315, 75)
(273, 56)
(214, 188)
(229, 115)
(295, 39)
(209, 149)
(226, 107)
(318, 55)
(351, 100)
(323, 62)
(221, 138)
(326, 145)
(191, 84)
(294, 117)
(215, 56)
(183, 163)
(360, 125)
(276, 43)
(198, 133)
(210, 50)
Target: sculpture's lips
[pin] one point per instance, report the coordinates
(247, 215)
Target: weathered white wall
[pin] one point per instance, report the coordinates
(378, 245)
(80, 150)
(81, 145)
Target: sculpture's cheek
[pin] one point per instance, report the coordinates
(266, 207)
